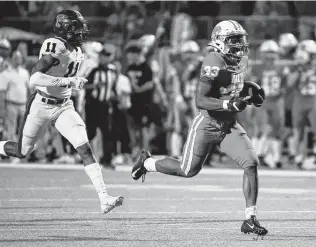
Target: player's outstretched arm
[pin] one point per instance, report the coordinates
(39, 78)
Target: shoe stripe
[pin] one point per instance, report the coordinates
(187, 144)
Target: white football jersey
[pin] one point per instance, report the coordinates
(68, 64)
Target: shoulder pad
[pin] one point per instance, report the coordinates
(53, 46)
(211, 66)
(214, 59)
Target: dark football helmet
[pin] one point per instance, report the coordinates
(71, 26)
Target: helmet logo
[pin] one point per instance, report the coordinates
(216, 31)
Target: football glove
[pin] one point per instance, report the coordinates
(235, 104)
(253, 92)
(77, 82)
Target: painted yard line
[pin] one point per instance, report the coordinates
(161, 213)
(158, 199)
(210, 171)
(133, 228)
(193, 187)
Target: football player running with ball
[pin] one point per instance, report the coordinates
(54, 77)
(221, 93)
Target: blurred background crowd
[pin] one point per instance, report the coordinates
(143, 63)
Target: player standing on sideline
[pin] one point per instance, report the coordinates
(218, 97)
(54, 76)
(288, 44)
(303, 81)
(269, 120)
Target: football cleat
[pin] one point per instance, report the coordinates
(110, 202)
(252, 225)
(139, 169)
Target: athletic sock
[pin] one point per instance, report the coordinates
(150, 164)
(95, 174)
(2, 148)
(254, 141)
(252, 210)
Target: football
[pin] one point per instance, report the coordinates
(253, 90)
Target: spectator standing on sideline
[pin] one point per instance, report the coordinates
(141, 77)
(100, 97)
(14, 84)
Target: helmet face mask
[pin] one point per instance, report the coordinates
(230, 39)
(237, 47)
(71, 26)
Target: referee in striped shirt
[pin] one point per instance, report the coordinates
(100, 102)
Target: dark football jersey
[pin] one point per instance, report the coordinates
(227, 82)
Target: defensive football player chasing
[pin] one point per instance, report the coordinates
(54, 76)
(221, 93)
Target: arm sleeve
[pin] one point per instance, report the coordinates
(43, 80)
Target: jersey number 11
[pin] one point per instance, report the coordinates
(72, 69)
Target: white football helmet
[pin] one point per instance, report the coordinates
(305, 51)
(287, 42)
(230, 39)
(269, 52)
(269, 46)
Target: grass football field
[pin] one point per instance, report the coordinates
(55, 205)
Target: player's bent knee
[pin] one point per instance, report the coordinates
(79, 137)
(192, 170)
(249, 159)
(250, 163)
(251, 171)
